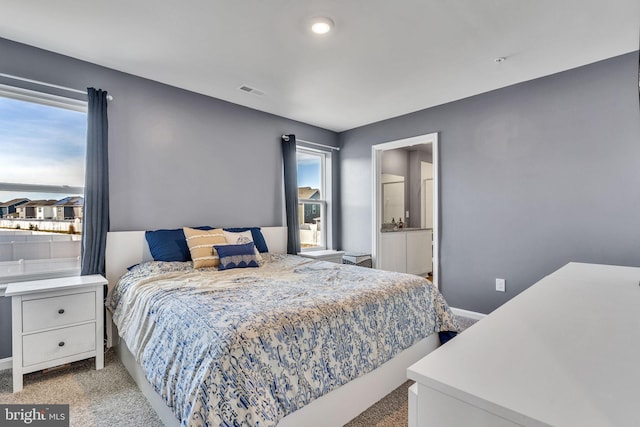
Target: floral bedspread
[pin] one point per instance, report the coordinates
(246, 347)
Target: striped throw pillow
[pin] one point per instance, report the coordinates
(201, 243)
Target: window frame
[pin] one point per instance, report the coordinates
(325, 200)
(28, 95)
(56, 101)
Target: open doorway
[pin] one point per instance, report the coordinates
(407, 249)
(426, 194)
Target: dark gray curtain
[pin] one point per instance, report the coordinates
(95, 222)
(290, 163)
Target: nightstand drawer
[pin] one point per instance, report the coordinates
(58, 311)
(59, 343)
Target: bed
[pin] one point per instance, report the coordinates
(293, 342)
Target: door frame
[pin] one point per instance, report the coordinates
(376, 156)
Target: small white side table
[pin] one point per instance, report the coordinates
(325, 255)
(55, 321)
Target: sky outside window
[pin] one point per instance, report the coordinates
(42, 145)
(309, 170)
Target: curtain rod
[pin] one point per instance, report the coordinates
(331, 147)
(41, 83)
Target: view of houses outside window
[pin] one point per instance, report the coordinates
(43, 146)
(311, 199)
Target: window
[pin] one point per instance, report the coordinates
(43, 146)
(314, 198)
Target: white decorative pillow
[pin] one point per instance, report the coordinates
(241, 238)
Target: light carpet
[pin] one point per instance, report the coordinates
(110, 398)
(103, 398)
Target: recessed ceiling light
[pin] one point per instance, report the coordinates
(321, 25)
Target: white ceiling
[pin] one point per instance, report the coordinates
(384, 58)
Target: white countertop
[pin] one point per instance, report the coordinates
(400, 230)
(565, 352)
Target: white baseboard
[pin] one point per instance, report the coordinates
(466, 313)
(6, 363)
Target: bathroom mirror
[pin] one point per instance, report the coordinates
(393, 206)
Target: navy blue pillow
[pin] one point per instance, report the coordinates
(169, 245)
(256, 234)
(237, 256)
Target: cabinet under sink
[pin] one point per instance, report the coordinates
(406, 251)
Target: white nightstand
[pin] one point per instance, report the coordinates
(55, 321)
(326, 255)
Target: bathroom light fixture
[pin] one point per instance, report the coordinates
(321, 25)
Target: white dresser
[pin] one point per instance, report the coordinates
(565, 352)
(55, 321)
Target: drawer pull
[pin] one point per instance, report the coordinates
(61, 344)
(61, 311)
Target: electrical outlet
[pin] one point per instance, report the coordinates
(500, 285)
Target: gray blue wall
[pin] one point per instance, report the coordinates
(532, 176)
(176, 158)
(5, 327)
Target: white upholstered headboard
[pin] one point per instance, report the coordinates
(127, 248)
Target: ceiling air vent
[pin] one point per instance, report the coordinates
(252, 90)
